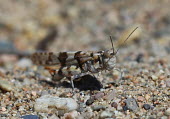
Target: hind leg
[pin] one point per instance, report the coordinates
(121, 74)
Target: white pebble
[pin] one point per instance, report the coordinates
(48, 102)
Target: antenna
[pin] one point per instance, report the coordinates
(126, 39)
(111, 39)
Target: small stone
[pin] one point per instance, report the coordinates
(98, 107)
(141, 98)
(131, 104)
(147, 97)
(167, 112)
(3, 109)
(154, 77)
(71, 115)
(89, 101)
(111, 95)
(114, 104)
(139, 58)
(30, 117)
(48, 102)
(98, 95)
(125, 108)
(164, 117)
(106, 114)
(34, 93)
(5, 85)
(54, 116)
(146, 106)
(167, 82)
(44, 92)
(152, 107)
(25, 62)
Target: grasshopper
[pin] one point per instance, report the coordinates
(76, 64)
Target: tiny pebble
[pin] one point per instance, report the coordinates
(147, 97)
(141, 98)
(44, 92)
(167, 112)
(25, 62)
(125, 108)
(71, 115)
(98, 95)
(34, 93)
(89, 101)
(98, 107)
(3, 109)
(146, 106)
(154, 77)
(114, 104)
(167, 82)
(5, 85)
(111, 95)
(131, 104)
(30, 117)
(105, 114)
(152, 107)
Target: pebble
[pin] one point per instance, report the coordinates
(105, 114)
(30, 117)
(89, 101)
(3, 109)
(167, 82)
(23, 63)
(141, 98)
(147, 97)
(111, 95)
(48, 102)
(167, 112)
(53, 117)
(131, 104)
(34, 93)
(5, 85)
(98, 95)
(44, 92)
(114, 104)
(146, 106)
(98, 107)
(154, 77)
(71, 115)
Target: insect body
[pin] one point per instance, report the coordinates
(77, 63)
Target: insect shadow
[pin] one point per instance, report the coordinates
(86, 82)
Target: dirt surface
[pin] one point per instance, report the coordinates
(61, 25)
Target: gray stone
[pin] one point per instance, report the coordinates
(25, 62)
(98, 107)
(106, 114)
(90, 101)
(146, 106)
(131, 104)
(5, 85)
(30, 117)
(167, 112)
(167, 82)
(111, 95)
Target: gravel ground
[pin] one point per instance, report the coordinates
(28, 91)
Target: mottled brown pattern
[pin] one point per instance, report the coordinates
(68, 64)
(62, 57)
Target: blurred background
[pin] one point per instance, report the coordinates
(27, 26)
